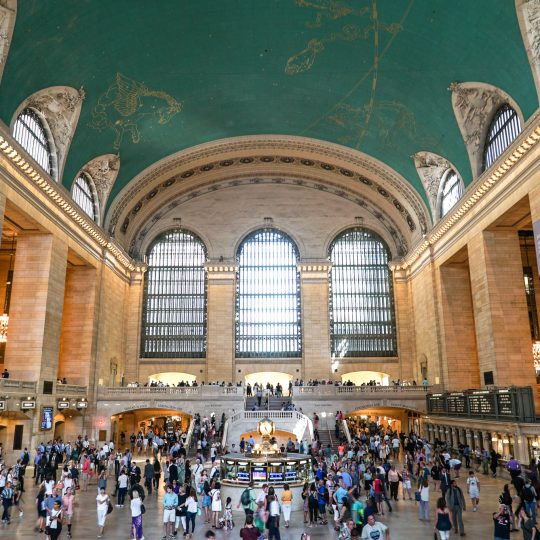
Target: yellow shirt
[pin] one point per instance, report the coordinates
(286, 497)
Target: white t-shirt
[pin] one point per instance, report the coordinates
(136, 507)
(100, 499)
(123, 481)
(375, 532)
(191, 505)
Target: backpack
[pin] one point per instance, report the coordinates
(527, 494)
(245, 498)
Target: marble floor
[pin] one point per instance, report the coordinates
(403, 522)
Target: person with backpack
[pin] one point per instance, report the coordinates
(528, 497)
(247, 501)
(323, 498)
(313, 506)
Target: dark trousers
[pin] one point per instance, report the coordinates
(156, 481)
(122, 495)
(313, 513)
(148, 484)
(6, 503)
(190, 518)
(394, 490)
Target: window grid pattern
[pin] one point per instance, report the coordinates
(452, 191)
(268, 297)
(29, 132)
(175, 298)
(362, 317)
(83, 195)
(504, 128)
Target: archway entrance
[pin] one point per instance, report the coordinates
(270, 377)
(358, 378)
(172, 378)
(161, 422)
(384, 418)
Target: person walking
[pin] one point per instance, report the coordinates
(54, 521)
(423, 510)
(473, 489)
(170, 502)
(456, 504)
(249, 531)
(528, 496)
(216, 504)
(157, 474)
(375, 529)
(443, 524)
(7, 501)
(148, 474)
(286, 504)
(191, 512)
(123, 480)
(67, 507)
(102, 501)
(136, 506)
(273, 519)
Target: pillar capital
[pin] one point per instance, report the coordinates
(221, 271)
(314, 269)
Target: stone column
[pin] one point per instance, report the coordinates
(76, 351)
(315, 320)
(486, 440)
(405, 327)
(37, 301)
(460, 361)
(220, 324)
(133, 325)
(469, 438)
(503, 334)
(521, 447)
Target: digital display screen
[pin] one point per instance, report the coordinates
(290, 475)
(275, 476)
(47, 414)
(259, 473)
(243, 475)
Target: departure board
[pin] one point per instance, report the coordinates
(505, 404)
(436, 403)
(456, 403)
(482, 404)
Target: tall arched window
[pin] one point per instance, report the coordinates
(30, 133)
(362, 318)
(268, 296)
(174, 308)
(451, 191)
(83, 195)
(504, 128)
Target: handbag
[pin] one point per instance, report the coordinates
(417, 496)
(143, 509)
(109, 507)
(198, 511)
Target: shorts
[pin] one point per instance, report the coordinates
(378, 497)
(406, 484)
(207, 501)
(169, 516)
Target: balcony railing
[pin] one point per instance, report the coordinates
(331, 390)
(13, 385)
(71, 389)
(209, 391)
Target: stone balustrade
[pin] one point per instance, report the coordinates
(16, 386)
(170, 392)
(338, 391)
(71, 389)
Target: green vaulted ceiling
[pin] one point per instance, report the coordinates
(162, 76)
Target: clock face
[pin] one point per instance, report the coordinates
(265, 428)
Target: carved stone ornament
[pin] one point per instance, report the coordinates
(61, 107)
(103, 171)
(431, 168)
(8, 13)
(528, 12)
(474, 106)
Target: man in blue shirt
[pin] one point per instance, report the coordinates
(170, 502)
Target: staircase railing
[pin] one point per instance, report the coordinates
(346, 431)
(189, 435)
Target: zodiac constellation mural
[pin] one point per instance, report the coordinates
(126, 103)
(354, 111)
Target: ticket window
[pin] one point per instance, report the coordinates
(275, 472)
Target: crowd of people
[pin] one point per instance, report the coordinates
(355, 484)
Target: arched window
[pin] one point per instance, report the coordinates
(504, 128)
(29, 132)
(362, 319)
(174, 306)
(83, 195)
(451, 191)
(268, 296)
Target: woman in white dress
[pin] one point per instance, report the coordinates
(102, 501)
(473, 488)
(216, 504)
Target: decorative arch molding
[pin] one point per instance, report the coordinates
(431, 169)
(103, 171)
(528, 14)
(60, 108)
(161, 211)
(270, 155)
(8, 14)
(474, 105)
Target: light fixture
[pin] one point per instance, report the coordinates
(505, 441)
(535, 444)
(494, 439)
(4, 318)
